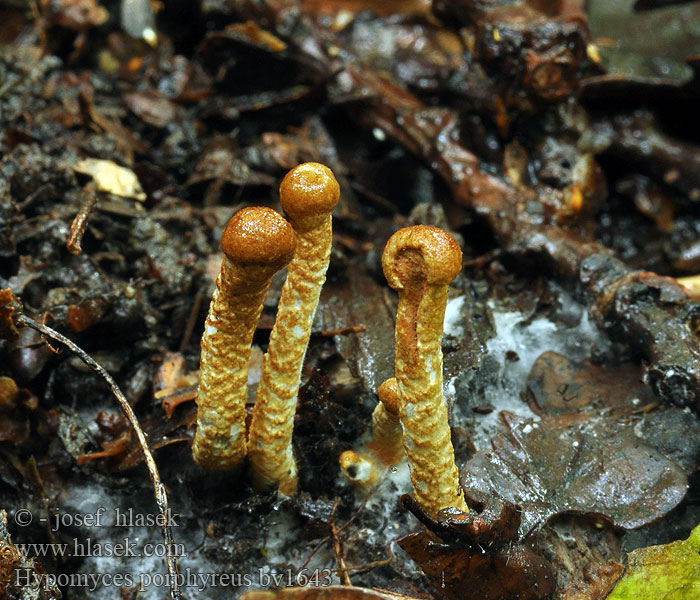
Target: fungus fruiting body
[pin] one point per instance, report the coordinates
(256, 242)
(386, 443)
(385, 449)
(308, 194)
(360, 468)
(420, 262)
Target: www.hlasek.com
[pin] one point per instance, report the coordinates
(89, 547)
(188, 579)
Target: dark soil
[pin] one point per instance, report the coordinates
(568, 171)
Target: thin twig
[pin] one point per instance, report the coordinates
(378, 563)
(313, 552)
(77, 228)
(170, 402)
(45, 316)
(191, 322)
(338, 548)
(160, 494)
(40, 28)
(366, 567)
(341, 530)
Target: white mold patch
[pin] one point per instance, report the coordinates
(502, 378)
(453, 317)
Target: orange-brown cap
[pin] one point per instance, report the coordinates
(388, 394)
(259, 237)
(308, 194)
(421, 252)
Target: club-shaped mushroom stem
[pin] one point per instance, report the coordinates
(308, 194)
(257, 242)
(420, 262)
(385, 449)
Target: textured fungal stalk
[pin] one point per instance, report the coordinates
(385, 449)
(386, 443)
(257, 242)
(420, 262)
(308, 194)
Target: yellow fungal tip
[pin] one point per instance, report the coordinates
(308, 194)
(359, 469)
(259, 236)
(388, 394)
(421, 252)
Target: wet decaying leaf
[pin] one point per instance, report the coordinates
(575, 557)
(586, 558)
(477, 553)
(153, 109)
(583, 456)
(490, 524)
(556, 387)
(515, 572)
(361, 301)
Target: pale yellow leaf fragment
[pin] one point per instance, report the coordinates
(692, 284)
(111, 178)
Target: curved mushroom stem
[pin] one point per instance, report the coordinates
(420, 262)
(385, 449)
(257, 242)
(386, 443)
(308, 195)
